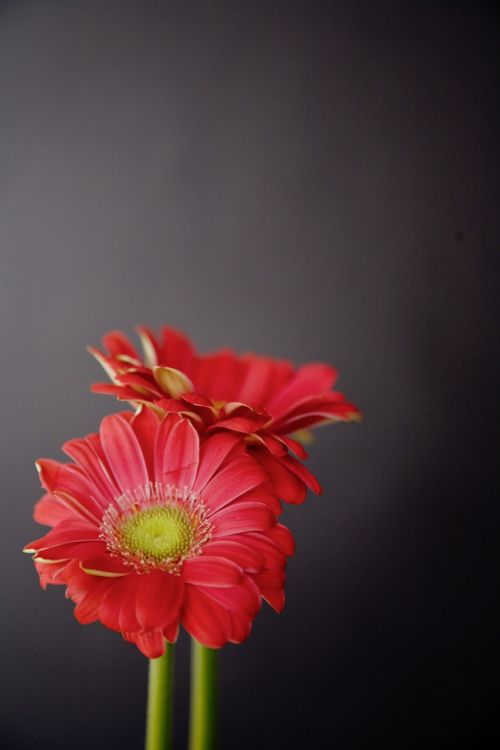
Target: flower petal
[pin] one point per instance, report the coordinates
(71, 488)
(241, 475)
(149, 346)
(259, 377)
(117, 343)
(158, 600)
(145, 424)
(214, 452)
(151, 644)
(287, 486)
(206, 570)
(271, 583)
(123, 452)
(172, 381)
(71, 530)
(117, 608)
(161, 442)
(176, 350)
(302, 473)
(171, 632)
(50, 572)
(88, 603)
(241, 627)
(274, 558)
(179, 463)
(242, 554)
(242, 517)
(314, 378)
(84, 454)
(70, 551)
(204, 619)
(49, 511)
(104, 566)
(242, 598)
(283, 537)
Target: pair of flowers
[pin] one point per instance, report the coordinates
(169, 515)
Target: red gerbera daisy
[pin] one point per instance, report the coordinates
(261, 398)
(154, 527)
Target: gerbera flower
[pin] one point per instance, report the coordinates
(154, 528)
(264, 399)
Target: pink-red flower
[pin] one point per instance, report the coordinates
(154, 527)
(263, 399)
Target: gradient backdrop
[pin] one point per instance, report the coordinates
(313, 181)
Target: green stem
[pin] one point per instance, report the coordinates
(203, 708)
(160, 701)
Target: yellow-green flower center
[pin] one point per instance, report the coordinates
(157, 533)
(156, 527)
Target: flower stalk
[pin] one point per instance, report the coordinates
(203, 707)
(159, 718)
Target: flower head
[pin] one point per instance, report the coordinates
(154, 527)
(264, 400)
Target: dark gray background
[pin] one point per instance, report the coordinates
(308, 180)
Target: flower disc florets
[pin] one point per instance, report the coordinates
(156, 527)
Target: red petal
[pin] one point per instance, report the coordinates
(204, 619)
(161, 442)
(122, 392)
(211, 571)
(239, 476)
(304, 474)
(141, 385)
(177, 351)
(286, 484)
(117, 343)
(242, 554)
(242, 517)
(84, 454)
(179, 462)
(259, 377)
(87, 608)
(244, 598)
(273, 557)
(151, 644)
(49, 511)
(72, 530)
(50, 573)
(218, 375)
(71, 488)
(117, 609)
(273, 444)
(275, 599)
(331, 407)
(246, 425)
(214, 452)
(123, 452)
(283, 538)
(263, 494)
(241, 627)
(197, 399)
(145, 424)
(309, 380)
(159, 599)
(103, 564)
(270, 583)
(71, 551)
(171, 632)
(294, 446)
